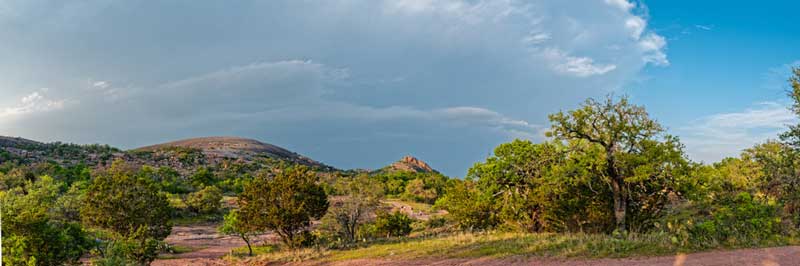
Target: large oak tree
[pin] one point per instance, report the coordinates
(641, 163)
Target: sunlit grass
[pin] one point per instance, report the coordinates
(514, 244)
(485, 245)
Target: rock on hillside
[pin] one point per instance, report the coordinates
(409, 164)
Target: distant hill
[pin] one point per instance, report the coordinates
(183, 155)
(218, 148)
(27, 151)
(407, 164)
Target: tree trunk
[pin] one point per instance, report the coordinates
(249, 248)
(617, 187)
(620, 204)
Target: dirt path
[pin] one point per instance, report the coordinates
(780, 256)
(208, 246)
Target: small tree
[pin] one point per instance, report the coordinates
(361, 196)
(232, 225)
(129, 207)
(207, 200)
(394, 224)
(284, 203)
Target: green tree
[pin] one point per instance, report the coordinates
(516, 177)
(131, 208)
(30, 234)
(207, 200)
(792, 137)
(393, 224)
(232, 225)
(360, 197)
(635, 161)
(470, 208)
(203, 177)
(285, 203)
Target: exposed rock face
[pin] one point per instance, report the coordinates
(218, 148)
(411, 164)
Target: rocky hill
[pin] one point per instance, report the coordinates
(217, 149)
(408, 164)
(182, 155)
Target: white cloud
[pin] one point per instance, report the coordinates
(704, 27)
(721, 135)
(577, 66)
(654, 46)
(636, 25)
(623, 5)
(32, 103)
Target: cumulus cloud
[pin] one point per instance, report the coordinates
(31, 103)
(446, 80)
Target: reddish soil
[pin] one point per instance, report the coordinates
(208, 245)
(786, 256)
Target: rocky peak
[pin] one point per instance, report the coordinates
(411, 164)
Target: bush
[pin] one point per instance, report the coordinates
(733, 221)
(208, 200)
(130, 208)
(31, 235)
(469, 208)
(395, 224)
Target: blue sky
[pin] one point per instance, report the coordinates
(359, 84)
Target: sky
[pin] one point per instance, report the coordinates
(361, 83)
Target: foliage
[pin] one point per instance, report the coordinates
(208, 200)
(739, 220)
(202, 177)
(641, 165)
(470, 208)
(31, 235)
(232, 225)
(284, 203)
(393, 224)
(421, 187)
(131, 208)
(361, 196)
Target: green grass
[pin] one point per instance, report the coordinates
(491, 245)
(177, 249)
(500, 245)
(257, 250)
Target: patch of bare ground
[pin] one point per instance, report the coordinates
(207, 246)
(778, 256)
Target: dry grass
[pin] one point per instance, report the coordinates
(491, 245)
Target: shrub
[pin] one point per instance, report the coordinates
(394, 224)
(130, 208)
(208, 200)
(31, 235)
(733, 221)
